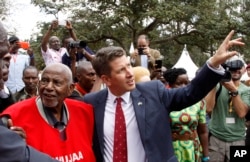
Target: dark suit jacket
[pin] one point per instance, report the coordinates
(6, 102)
(13, 148)
(152, 113)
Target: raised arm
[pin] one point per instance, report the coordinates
(240, 107)
(71, 31)
(210, 100)
(47, 35)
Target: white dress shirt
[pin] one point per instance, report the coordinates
(136, 152)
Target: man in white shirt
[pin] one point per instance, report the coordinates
(18, 62)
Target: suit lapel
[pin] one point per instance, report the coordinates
(99, 115)
(140, 111)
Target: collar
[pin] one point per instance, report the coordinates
(79, 89)
(125, 97)
(42, 112)
(27, 94)
(53, 121)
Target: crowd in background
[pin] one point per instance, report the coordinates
(70, 110)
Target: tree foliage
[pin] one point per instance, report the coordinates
(170, 24)
(3, 9)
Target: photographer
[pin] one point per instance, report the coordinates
(76, 51)
(144, 55)
(228, 103)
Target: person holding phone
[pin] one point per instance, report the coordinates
(144, 55)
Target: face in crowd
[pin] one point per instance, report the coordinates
(86, 75)
(5, 66)
(54, 43)
(142, 42)
(56, 84)
(14, 44)
(176, 77)
(4, 50)
(113, 67)
(236, 73)
(181, 81)
(30, 78)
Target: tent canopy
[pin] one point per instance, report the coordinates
(187, 63)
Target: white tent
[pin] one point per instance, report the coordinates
(131, 49)
(187, 63)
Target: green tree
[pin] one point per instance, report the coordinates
(3, 9)
(201, 24)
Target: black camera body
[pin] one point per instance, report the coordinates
(140, 51)
(77, 44)
(231, 66)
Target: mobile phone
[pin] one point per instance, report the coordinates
(140, 51)
(158, 64)
(62, 22)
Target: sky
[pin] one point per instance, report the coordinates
(23, 18)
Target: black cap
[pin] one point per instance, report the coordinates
(13, 39)
(235, 64)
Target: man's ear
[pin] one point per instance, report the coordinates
(106, 79)
(71, 89)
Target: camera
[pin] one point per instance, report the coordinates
(77, 44)
(24, 45)
(231, 66)
(140, 51)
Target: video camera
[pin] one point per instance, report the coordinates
(140, 51)
(231, 66)
(77, 44)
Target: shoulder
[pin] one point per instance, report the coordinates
(154, 51)
(20, 107)
(96, 95)
(149, 84)
(244, 88)
(154, 87)
(76, 103)
(78, 107)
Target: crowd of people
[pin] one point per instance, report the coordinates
(102, 106)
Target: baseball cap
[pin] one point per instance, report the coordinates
(13, 39)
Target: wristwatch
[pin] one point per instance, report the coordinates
(205, 159)
(233, 94)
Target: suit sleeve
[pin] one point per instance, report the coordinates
(13, 148)
(196, 90)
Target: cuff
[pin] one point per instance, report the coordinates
(220, 70)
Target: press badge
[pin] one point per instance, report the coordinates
(230, 120)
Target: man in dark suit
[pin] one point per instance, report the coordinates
(12, 146)
(145, 106)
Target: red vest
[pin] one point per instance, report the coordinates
(42, 136)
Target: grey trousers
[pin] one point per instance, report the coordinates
(219, 151)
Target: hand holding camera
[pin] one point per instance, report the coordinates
(231, 66)
(143, 51)
(77, 44)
